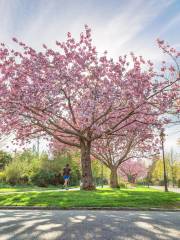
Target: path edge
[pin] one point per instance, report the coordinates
(89, 208)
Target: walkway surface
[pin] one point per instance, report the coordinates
(170, 189)
(50, 190)
(87, 225)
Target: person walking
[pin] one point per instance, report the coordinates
(66, 175)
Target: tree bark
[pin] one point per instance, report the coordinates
(114, 178)
(87, 179)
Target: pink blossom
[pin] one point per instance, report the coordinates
(78, 96)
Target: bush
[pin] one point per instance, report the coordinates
(123, 185)
(50, 170)
(43, 178)
(5, 158)
(100, 172)
(28, 167)
(2, 177)
(73, 159)
(14, 172)
(19, 170)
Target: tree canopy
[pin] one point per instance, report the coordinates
(77, 96)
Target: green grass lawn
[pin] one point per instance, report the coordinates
(140, 197)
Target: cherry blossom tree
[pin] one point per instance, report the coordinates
(76, 96)
(137, 143)
(132, 170)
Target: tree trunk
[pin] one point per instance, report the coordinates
(114, 178)
(87, 179)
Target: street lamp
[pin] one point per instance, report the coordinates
(102, 177)
(38, 141)
(162, 136)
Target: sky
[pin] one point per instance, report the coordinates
(118, 26)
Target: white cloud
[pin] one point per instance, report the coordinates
(120, 32)
(117, 33)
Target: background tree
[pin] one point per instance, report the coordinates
(156, 170)
(115, 150)
(172, 164)
(132, 170)
(5, 158)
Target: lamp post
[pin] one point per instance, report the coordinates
(102, 180)
(38, 145)
(162, 136)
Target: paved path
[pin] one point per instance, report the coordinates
(87, 225)
(170, 189)
(50, 190)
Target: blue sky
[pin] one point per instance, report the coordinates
(118, 26)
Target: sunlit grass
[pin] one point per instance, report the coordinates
(137, 197)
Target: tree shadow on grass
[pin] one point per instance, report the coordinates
(105, 198)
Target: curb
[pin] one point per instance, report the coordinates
(88, 208)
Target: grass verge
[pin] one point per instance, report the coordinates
(137, 197)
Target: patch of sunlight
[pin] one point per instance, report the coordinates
(114, 193)
(47, 236)
(158, 229)
(7, 190)
(145, 217)
(77, 219)
(48, 227)
(148, 227)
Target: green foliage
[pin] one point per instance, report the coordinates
(56, 165)
(43, 178)
(156, 171)
(73, 159)
(2, 177)
(21, 168)
(178, 183)
(123, 184)
(28, 167)
(5, 158)
(100, 172)
(14, 172)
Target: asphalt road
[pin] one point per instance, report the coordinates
(80, 225)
